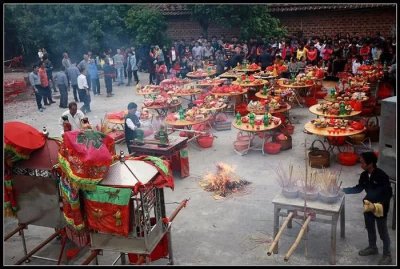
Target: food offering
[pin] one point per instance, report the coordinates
(200, 73)
(232, 89)
(210, 102)
(249, 81)
(371, 73)
(314, 72)
(336, 96)
(194, 114)
(168, 83)
(353, 84)
(334, 108)
(265, 75)
(149, 89)
(272, 104)
(211, 82)
(276, 69)
(301, 80)
(247, 67)
(337, 126)
(161, 101)
(253, 122)
(183, 91)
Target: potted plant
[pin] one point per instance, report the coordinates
(287, 181)
(329, 186)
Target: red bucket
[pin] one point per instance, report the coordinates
(272, 148)
(310, 101)
(205, 141)
(347, 158)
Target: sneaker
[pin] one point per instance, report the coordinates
(368, 251)
(52, 102)
(385, 260)
(41, 109)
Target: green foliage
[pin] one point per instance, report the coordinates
(146, 25)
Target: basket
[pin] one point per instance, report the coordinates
(241, 145)
(242, 137)
(357, 139)
(205, 141)
(347, 158)
(285, 144)
(319, 158)
(373, 130)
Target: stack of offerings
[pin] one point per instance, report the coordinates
(221, 122)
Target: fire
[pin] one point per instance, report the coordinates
(223, 182)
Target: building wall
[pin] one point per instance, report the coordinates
(333, 22)
(184, 27)
(319, 22)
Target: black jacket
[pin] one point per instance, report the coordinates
(377, 187)
(129, 133)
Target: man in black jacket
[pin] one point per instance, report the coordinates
(376, 184)
(131, 124)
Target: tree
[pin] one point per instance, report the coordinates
(146, 25)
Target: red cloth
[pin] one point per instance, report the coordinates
(312, 54)
(44, 81)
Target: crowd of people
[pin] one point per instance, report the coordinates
(339, 53)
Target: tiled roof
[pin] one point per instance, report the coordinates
(183, 9)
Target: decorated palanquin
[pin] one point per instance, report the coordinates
(84, 159)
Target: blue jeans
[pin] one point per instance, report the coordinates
(120, 75)
(96, 86)
(86, 100)
(63, 95)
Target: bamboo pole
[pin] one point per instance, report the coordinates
(297, 241)
(278, 235)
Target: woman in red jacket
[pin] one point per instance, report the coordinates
(365, 51)
(312, 55)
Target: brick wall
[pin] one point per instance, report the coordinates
(184, 27)
(333, 22)
(330, 22)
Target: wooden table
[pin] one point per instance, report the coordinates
(325, 132)
(162, 110)
(333, 211)
(231, 96)
(297, 88)
(204, 74)
(176, 152)
(272, 111)
(186, 124)
(245, 127)
(313, 109)
(330, 99)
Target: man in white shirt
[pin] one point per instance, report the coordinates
(84, 91)
(74, 117)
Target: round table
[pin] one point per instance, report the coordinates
(185, 123)
(297, 88)
(251, 83)
(332, 132)
(330, 99)
(272, 111)
(262, 96)
(203, 74)
(245, 127)
(247, 70)
(162, 110)
(313, 109)
(210, 82)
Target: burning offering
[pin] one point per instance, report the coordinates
(224, 182)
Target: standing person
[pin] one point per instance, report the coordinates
(84, 90)
(129, 68)
(73, 115)
(124, 54)
(152, 65)
(83, 65)
(131, 124)
(219, 62)
(161, 71)
(167, 58)
(62, 84)
(312, 55)
(265, 59)
(173, 56)
(49, 72)
(197, 51)
(108, 76)
(375, 182)
(301, 51)
(135, 66)
(119, 66)
(365, 51)
(44, 83)
(34, 80)
(66, 61)
(40, 54)
(132, 68)
(356, 64)
(94, 77)
(73, 73)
